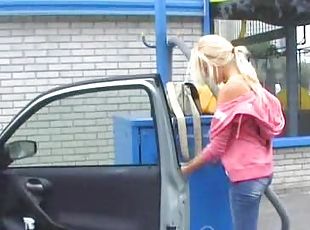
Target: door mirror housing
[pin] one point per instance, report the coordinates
(17, 150)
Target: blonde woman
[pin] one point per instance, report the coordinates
(246, 119)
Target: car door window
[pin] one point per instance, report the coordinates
(82, 130)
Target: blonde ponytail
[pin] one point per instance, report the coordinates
(246, 69)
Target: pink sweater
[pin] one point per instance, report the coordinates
(241, 135)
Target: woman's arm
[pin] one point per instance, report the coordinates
(218, 144)
(211, 152)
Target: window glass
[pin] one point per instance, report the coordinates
(88, 129)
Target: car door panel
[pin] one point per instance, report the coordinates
(91, 198)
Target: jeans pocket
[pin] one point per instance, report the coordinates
(265, 181)
(252, 188)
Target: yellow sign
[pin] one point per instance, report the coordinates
(304, 98)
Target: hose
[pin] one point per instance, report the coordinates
(273, 198)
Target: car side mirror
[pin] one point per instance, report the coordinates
(17, 150)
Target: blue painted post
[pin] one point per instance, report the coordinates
(206, 17)
(162, 53)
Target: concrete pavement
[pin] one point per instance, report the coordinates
(298, 206)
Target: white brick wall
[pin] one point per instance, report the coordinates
(37, 53)
(292, 169)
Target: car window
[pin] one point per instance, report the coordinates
(87, 129)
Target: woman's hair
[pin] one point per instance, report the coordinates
(213, 51)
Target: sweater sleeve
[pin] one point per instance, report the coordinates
(217, 146)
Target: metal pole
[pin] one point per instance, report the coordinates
(207, 17)
(162, 53)
(292, 80)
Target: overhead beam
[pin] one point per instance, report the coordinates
(259, 38)
(98, 7)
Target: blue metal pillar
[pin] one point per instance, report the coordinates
(207, 20)
(162, 50)
(292, 81)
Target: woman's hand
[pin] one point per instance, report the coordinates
(192, 165)
(184, 170)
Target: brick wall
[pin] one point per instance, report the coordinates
(37, 53)
(292, 169)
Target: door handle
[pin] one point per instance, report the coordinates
(31, 200)
(37, 186)
(34, 188)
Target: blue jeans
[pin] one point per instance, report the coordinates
(245, 198)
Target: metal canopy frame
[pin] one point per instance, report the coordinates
(98, 7)
(292, 80)
(282, 13)
(259, 38)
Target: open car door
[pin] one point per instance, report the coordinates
(73, 181)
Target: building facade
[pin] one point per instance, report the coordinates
(38, 53)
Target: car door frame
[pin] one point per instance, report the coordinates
(174, 207)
